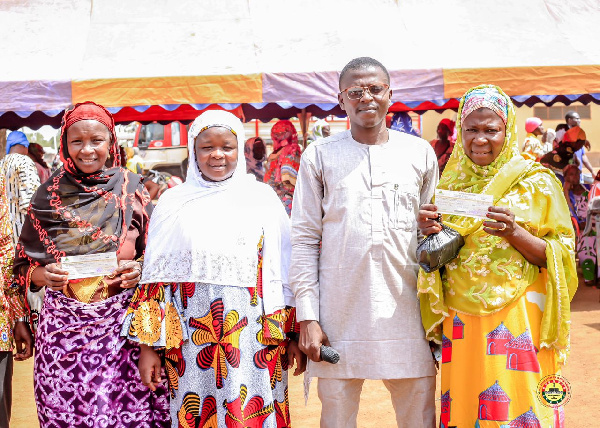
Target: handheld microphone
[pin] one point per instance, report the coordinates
(329, 354)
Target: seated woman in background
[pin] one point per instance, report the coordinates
(85, 373)
(501, 309)
(215, 294)
(283, 163)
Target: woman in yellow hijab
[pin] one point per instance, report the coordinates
(501, 309)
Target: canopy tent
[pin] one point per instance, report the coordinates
(164, 60)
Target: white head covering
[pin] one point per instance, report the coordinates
(205, 232)
(318, 127)
(317, 130)
(211, 119)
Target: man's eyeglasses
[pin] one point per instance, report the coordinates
(357, 92)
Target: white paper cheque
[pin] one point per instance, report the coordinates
(89, 265)
(461, 203)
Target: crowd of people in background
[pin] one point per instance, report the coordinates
(564, 152)
(259, 258)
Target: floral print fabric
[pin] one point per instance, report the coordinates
(226, 360)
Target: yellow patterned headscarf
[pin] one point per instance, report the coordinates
(461, 173)
(489, 273)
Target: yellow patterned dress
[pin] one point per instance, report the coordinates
(503, 323)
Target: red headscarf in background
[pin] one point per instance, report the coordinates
(283, 163)
(283, 133)
(450, 124)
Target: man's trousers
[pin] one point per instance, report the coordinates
(413, 400)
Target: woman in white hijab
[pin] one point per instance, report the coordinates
(321, 129)
(214, 292)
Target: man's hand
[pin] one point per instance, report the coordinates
(311, 339)
(295, 354)
(23, 341)
(149, 367)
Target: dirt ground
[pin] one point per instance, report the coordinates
(582, 371)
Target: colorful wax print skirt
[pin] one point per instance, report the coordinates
(85, 373)
(492, 367)
(231, 370)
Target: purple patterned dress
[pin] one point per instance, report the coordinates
(86, 374)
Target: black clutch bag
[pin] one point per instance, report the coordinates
(440, 248)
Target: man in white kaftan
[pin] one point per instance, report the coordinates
(354, 269)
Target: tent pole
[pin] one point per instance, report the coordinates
(304, 119)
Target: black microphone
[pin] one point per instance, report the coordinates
(329, 354)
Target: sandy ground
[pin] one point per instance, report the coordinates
(582, 371)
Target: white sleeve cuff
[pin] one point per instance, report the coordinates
(307, 309)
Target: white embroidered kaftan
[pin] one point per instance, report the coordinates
(362, 201)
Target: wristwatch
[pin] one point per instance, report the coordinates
(294, 336)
